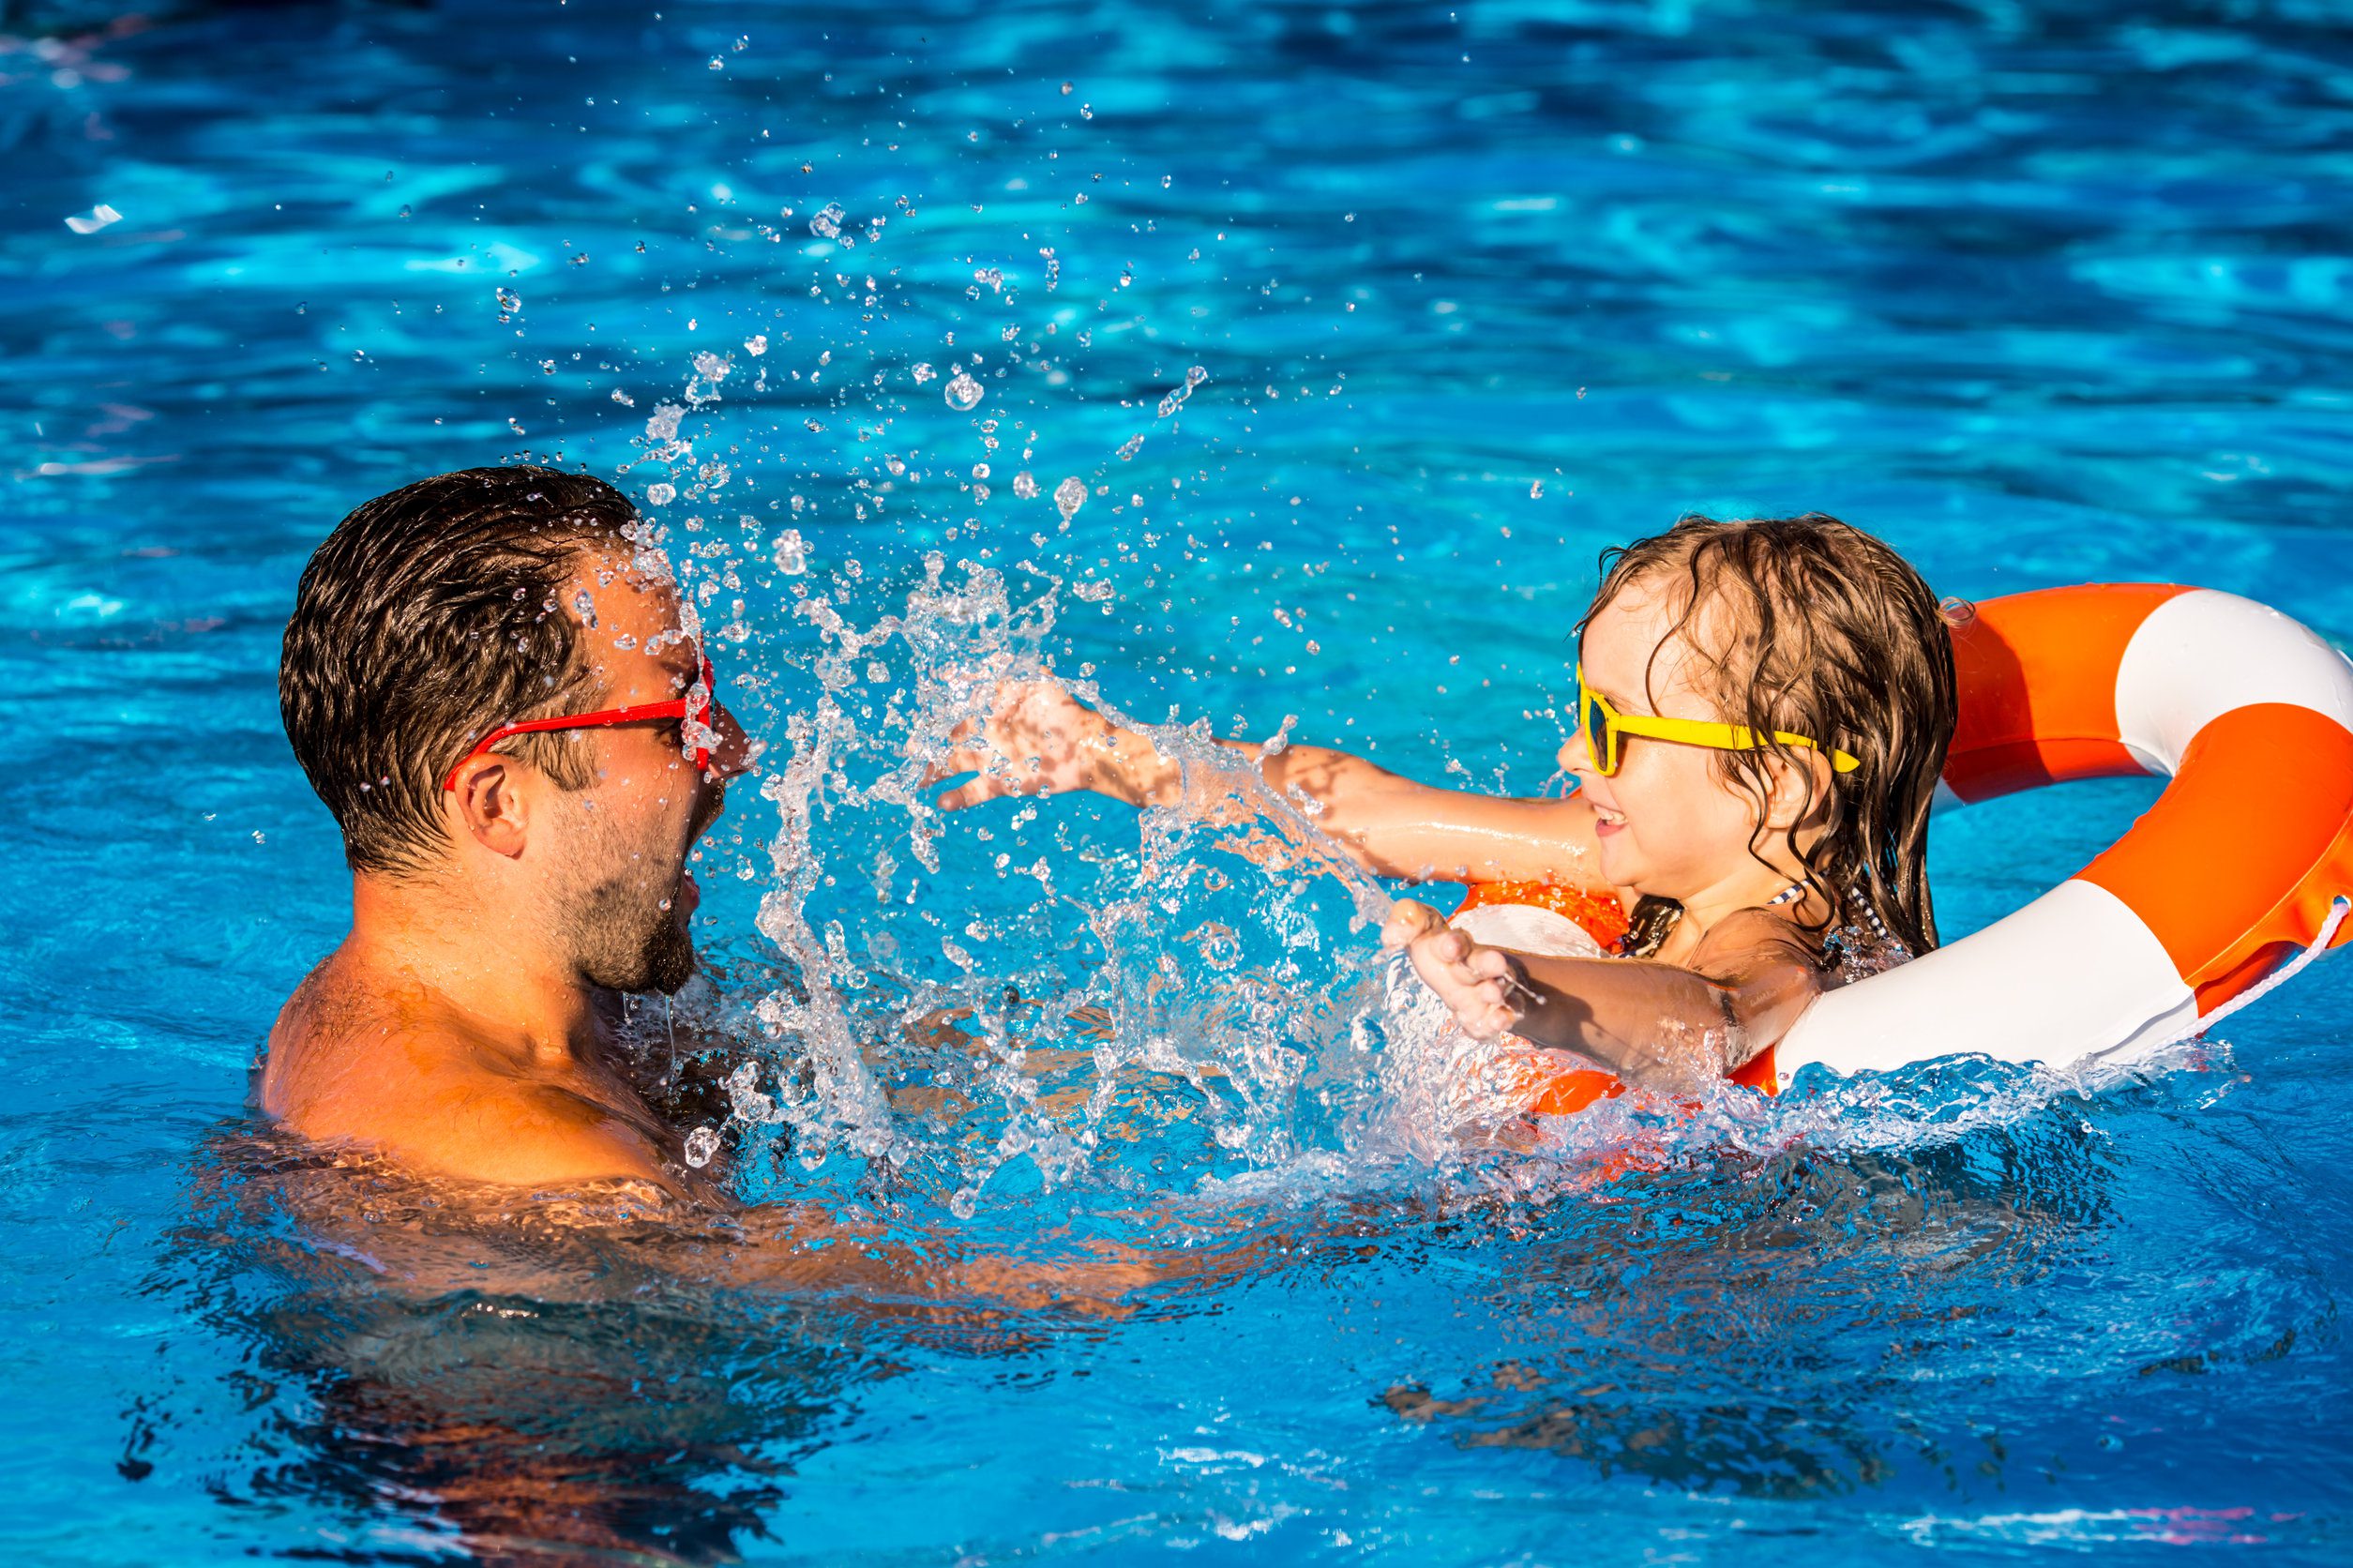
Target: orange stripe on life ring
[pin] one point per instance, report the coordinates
(2037, 683)
(1565, 1093)
(1603, 917)
(2280, 777)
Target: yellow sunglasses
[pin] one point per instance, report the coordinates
(1602, 738)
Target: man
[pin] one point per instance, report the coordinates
(495, 689)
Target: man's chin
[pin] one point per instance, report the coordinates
(664, 962)
(670, 964)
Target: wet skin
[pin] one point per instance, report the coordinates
(1737, 971)
(1734, 974)
(464, 1033)
(465, 1027)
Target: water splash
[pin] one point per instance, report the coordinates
(1177, 395)
(1019, 996)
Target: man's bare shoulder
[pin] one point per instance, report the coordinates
(393, 1073)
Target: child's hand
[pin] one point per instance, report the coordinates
(1036, 739)
(1481, 985)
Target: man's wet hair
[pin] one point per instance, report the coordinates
(426, 619)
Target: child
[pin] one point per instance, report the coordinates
(1763, 711)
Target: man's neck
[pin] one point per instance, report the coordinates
(478, 962)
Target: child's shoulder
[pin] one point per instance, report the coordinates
(1748, 942)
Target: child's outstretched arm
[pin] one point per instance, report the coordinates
(1038, 738)
(1657, 1026)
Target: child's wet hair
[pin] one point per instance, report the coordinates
(1832, 636)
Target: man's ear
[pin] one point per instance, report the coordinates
(491, 807)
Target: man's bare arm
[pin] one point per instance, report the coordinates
(807, 1246)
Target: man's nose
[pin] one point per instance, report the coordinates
(734, 754)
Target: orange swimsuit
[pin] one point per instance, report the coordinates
(1604, 919)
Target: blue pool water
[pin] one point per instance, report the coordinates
(2043, 294)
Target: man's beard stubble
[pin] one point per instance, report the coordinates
(627, 935)
(629, 944)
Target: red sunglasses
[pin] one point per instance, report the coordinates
(689, 710)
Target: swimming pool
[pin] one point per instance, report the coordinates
(2042, 297)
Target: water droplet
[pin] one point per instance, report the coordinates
(827, 223)
(756, 346)
(1069, 496)
(1025, 485)
(1536, 490)
(963, 392)
(660, 495)
(702, 1144)
(922, 373)
(792, 555)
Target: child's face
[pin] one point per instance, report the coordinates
(1669, 822)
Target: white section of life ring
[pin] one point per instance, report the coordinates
(1525, 928)
(2075, 973)
(2203, 653)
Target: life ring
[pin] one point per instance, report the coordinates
(2248, 713)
